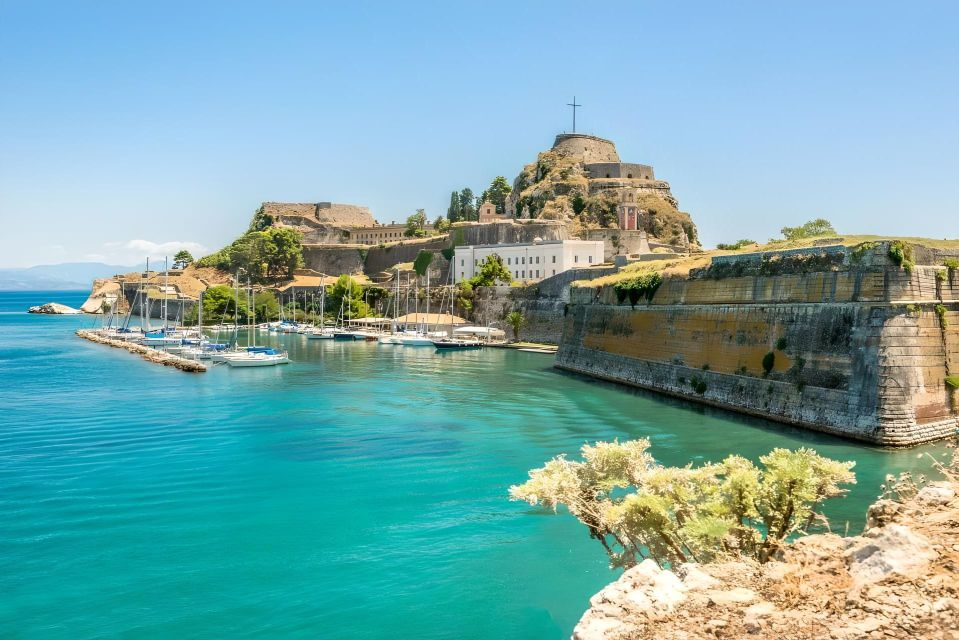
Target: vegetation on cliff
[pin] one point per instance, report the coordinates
(637, 509)
(556, 187)
(491, 272)
(264, 256)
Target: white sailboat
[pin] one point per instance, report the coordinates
(254, 356)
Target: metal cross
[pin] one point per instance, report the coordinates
(573, 105)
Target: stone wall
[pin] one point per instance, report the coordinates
(858, 352)
(334, 260)
(379, 259)
(625, 170)
(590, 148)
(544, 304)
(508, 232)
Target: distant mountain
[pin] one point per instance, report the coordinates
(69, 275)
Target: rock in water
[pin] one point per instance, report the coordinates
(54, 308)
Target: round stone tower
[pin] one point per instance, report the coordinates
(590, 148)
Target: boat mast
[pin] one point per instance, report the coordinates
(166, 291)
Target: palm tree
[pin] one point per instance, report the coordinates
(516, 320)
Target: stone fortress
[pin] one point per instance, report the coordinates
(599, 163)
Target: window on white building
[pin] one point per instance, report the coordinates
(554, 260)
(509, 261)
(575, 258)
(554, 272)
(537, 273)
(591, 258)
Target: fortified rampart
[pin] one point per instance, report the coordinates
(544, 305)
(837, 340)
(590, 148)
(333, 259)
(513, 232)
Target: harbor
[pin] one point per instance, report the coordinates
(373, 471)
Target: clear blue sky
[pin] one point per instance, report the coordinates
(129, 127)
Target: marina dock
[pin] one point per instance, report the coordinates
(148, 354)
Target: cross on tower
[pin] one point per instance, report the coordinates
(573, 105)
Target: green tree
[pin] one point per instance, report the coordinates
(453, 213)
(639, 509)
(497, 193)
(467, 205)
(441, 224)
(266, 306)
(347, 295)
(260, 221)
(282, 252)
(416, 225)
(464, 298)
(182, 259)
(491, 271)
(516, 320)
(220, 304)
(812, 229)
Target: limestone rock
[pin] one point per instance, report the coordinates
(54, 308)
(894, 548)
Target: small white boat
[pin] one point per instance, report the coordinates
(389, 339)
(266, 358)
(320, 334)
(412, 339)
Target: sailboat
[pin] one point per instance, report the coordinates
(254, 356)
(393, 337)
(450, 342)
(322, 332)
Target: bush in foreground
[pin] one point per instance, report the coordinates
(639, 509)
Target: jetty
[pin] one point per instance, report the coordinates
(149, 354)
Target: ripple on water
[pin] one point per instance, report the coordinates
(357, 493)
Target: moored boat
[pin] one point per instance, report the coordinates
(453, 344)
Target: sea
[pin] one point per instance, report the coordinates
(359, 492)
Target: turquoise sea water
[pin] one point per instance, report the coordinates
(357, 493)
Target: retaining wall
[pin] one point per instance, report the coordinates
(859, 352)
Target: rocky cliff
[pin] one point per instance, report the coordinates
(581, 181)
(898, 579)
(837, 339)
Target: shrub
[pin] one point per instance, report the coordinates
(901, 254)
(643, 285)
(699, 385)
(860, 250)
(812, 229)
(736, 246)
(941, 313)
(953, 381)
(637, 509)
(769, 361)
(951, 264)
(782, 343)
(940, 276)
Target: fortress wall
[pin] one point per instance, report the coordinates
(347, 215)
(508, 232)
(379, 259)
(591, 148)
(854, 360)
(333, 260)
(544, 304)
(622, 170)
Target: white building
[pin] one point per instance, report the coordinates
(529, 261)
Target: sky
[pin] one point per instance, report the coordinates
(131, 129)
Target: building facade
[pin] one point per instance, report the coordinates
(487, 213)
(378, 233)
(529, 261)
